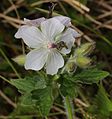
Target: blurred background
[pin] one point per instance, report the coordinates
(91, 18)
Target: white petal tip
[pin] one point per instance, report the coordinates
(17, 35)
(31, 68)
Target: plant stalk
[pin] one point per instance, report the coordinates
(69, 107)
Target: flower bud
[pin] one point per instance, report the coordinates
(19, 59)
(83, 62)
(85, 49)
(70, 65)
(56, 77)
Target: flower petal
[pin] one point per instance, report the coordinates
(68, 38)
(64, 20)
(31, 35)
(51, 28)
(19, 32)
(36, 59)
(35, 22)
(74, 32)
(54, 62)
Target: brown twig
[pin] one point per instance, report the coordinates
(106, 14)
(7, 99)
(13, 6)
(11, 19)
(105, 5)
(80, 5)
(81, 102)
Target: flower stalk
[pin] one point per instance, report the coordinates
(69, 107)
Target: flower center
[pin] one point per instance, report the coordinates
(51, 45)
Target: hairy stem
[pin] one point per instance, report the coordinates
(69, 107)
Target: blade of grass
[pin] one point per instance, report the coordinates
(6, 80)
(11, 65)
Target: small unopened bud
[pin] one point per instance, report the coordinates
(19, 59)
(83, 62)
(85, 49)
(56, 77)
(70, 65)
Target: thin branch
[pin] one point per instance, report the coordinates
(7, 99)
(11, 19)
(80, 5)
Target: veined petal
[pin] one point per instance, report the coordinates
(36, 59)
(64, 20)
(18, 34)
(35, 22)
(66, 51)
(54, 62)
(74, 32)
(68, 38)
(51, 28)
(31, 35)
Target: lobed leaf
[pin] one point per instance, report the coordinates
(29, 84)
(90, 76)
(44, 99)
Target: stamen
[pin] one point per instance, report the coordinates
(52, 45)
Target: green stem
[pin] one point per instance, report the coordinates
(46, 118)
(8, 61)
(69, 107)
(6, 80)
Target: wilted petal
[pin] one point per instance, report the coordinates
(35, 22)
(51, 28)
(54, 62)
(64, 20)
(31, 35)
(36, 59)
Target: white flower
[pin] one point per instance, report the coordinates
(44, 40)
(66, 21)
(35, 22)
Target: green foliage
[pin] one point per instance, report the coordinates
(68, 88)
(29, 84)
(102, 105)
(89, 76)
(26, 100)
(69, 83)
(44, 99)
(35, 92)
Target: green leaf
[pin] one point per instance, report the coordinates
(44, 99)
(26, 100)
(90, 76)
(68, 88)
(29, 84)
